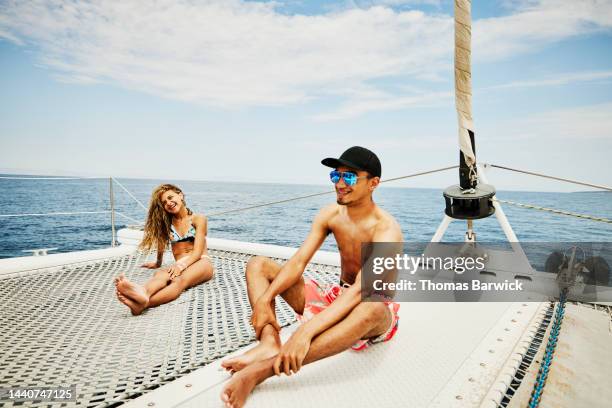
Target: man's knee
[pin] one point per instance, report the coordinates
(259, 266)
(372, 313)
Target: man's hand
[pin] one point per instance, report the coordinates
(292, 353)
(150, 265)
(262, 316)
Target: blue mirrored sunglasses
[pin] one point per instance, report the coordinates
(349, 177)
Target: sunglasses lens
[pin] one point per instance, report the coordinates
(334, 176)
(350, 178)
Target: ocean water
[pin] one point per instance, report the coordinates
(419, 211)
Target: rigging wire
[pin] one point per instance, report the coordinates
(555, 211)
(240, 209)
(323, 193)
(130, 194)
(51, 178)
(53, 213)
(581, 183)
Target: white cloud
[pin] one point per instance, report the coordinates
(568, 125)
(569, 142)
(574, 124)
(366, 3)
(536, 23)
(383, 102)
(556, 80)
(232, 53)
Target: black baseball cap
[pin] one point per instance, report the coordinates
(356, 157)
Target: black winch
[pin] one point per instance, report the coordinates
(469, 204)
(469, 200)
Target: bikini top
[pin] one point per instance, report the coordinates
(176, 237)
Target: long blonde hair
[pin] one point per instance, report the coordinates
(157, 227)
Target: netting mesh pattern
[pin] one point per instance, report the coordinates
(64, 326)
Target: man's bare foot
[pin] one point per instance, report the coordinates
(134, 292)
(135, 308)
(262, 351)
(235, 393)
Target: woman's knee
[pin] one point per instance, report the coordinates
(162, 273)
(208, 273)
(180, 283)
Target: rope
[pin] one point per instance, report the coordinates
(130, 194)
(322, 193)
(555, 211)
(581, 183)
(540, 382)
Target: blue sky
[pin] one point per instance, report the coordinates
(262, 91)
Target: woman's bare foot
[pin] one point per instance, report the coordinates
(264, 350)
(235, 393)
(136, 293)
(135, 308)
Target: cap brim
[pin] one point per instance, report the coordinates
(335, 163)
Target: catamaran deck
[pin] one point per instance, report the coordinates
(62, 325)
(444, 355)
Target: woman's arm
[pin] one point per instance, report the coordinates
(199, 245)
(160, 258)
(161, 248)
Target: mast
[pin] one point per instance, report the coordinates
(463, 93)
(468, 200)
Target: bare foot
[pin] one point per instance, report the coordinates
(262, 351)
(235, 393)
(134, 292)
(135, 308)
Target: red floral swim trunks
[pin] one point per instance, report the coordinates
(318, 298)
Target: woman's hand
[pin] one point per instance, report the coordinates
(176, 270)
(292, 354)
(150, 265)
(262, 316)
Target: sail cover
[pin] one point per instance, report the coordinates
(463, 77)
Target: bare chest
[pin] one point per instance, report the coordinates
(349, 237)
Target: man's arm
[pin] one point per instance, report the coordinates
(263, 314)
(294, 268)
(294, 351)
